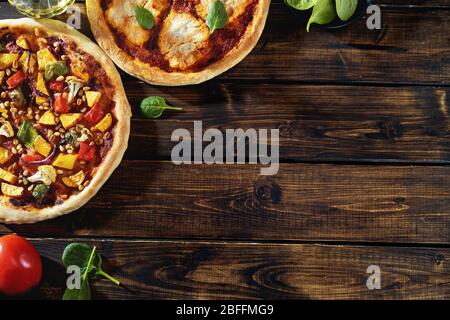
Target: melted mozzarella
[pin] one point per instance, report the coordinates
(182, 38)
(234, 7)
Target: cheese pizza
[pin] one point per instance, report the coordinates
(64, 119)
(179, 47)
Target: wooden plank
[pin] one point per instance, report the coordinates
(210, 270)
(402, 204)
(411, 48)
(316, 123)
(415, 3)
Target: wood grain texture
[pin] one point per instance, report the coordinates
(215, 270)
(404, 204)
(412, 47)
(316, 123)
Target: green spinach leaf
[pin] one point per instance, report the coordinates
(324, 12)
(84, 293)
(144, 18)
(153, 107)
(27, 134)
(217, 16)
(301, 4)
(90, 263)
(346, 8)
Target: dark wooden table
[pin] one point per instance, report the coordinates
(364, 180)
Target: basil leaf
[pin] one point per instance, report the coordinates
(84, 293)
(324, 12)
(217, 16)
(27, 134)
(40, 191)
(346, 8)
(153, 107)
(144, 18)
(54, 70)
(71, 138)
(301, 4)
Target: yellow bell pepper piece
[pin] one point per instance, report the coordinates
(28, 65)
(22, 42)
(42, 88)
(68, 120)
(92, 97)
(7, 176)
(74, 180)
(2, 76)
(48, 119)
(65, 161)
(42, 146)
(11, 191)
(7, 59)
(105, 123)
(78, 71)
(44, 57)
(4, 155)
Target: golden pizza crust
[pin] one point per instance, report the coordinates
(122, 112)
(155, 75)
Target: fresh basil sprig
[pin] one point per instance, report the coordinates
(54, 70)
(346, 8)
(324, 12)
(144, 18)
(153, 107)
(217, 17)
(301, 4)
(90, 263)
(27, 134)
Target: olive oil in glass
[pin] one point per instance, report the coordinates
(41, 8)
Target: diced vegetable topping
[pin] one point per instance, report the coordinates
(57, 86)
(27, 134)
(45, 57)
(40, 191)
(5, 155)
(7, 176)
(87, 152)
(54, 70)
(105, 123)
(22, 42)
(74, 86)
(48, 119)
(68, 120)
(11, 190)
(60, 104)
(75, 180)
(46, 174)
(42, 146)
(6, 129)
(94, 115)
(7, 59)
(93, 97)
(65, 161)
(16, 79)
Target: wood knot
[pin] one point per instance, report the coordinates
(390, 129)
(439, 259)
(267, 190)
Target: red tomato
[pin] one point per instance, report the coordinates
(32, 157)
(20, 265)
(16, 79)
(57, 86)
(86, 152)
(94, 115)
(60, 104)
